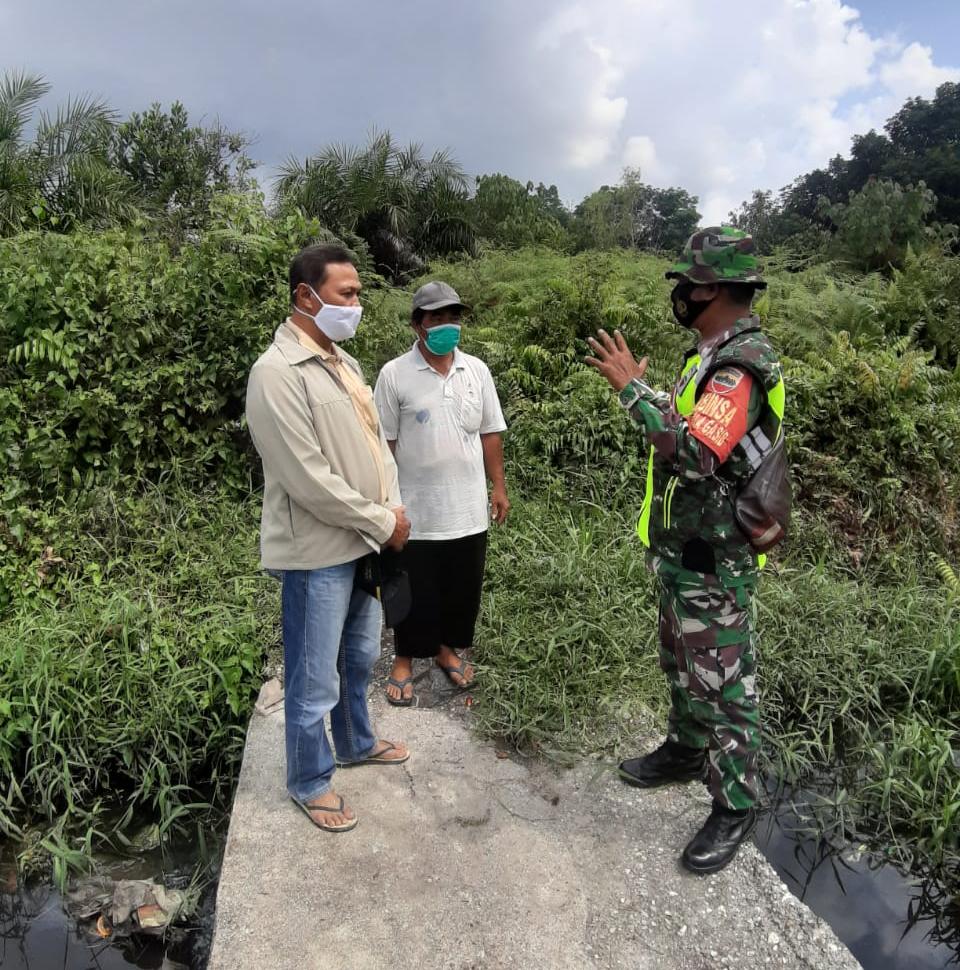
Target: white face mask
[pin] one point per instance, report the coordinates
(337, 322)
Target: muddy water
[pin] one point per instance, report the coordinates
(36, 934)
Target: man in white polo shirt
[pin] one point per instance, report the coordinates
(441, 416)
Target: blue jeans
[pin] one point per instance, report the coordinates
(331, 640)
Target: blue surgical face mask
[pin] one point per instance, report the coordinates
(443, 338)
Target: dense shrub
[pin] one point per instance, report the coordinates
(877, 225)
(120, 356)
(873, 418)
(123, 359)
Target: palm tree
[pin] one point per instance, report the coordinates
(61, 174)
(19, 94)
(405, 206)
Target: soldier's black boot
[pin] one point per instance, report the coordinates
(670, 764)
(719, 839)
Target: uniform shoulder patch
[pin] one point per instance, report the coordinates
(726, 379)
(719, 420)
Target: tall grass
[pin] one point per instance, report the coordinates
(567, 630)
(862, 686)
(126, 690)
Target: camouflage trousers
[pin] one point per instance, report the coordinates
(707, 651)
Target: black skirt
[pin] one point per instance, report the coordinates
(446, 579)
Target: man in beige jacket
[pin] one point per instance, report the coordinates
(330, 498)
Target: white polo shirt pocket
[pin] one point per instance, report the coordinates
(467, 404)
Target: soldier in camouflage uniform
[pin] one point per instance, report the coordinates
(705, 437)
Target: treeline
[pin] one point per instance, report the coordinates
(895, 190)
(398, 207)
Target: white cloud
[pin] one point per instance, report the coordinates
(723, 99)
(640, 152)
(594, 114)
(825, 132)
(914, 72)
(818, 47)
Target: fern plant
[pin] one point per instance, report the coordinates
(947, 574)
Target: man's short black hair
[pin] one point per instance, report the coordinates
(418, 314)
(310, 265)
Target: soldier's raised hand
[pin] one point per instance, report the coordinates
(614, 359)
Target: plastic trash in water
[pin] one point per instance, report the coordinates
(123, 908)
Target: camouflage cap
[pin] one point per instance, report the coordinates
(720, 254)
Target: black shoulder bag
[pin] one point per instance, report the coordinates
(762, 505)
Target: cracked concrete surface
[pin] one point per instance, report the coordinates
(464, 859)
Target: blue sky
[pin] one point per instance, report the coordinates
(718, 98)
(935, 23)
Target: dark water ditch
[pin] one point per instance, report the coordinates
(888, 920)
(37, 933)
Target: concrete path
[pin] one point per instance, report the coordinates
(464, 859)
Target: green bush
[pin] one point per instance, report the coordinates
(878, 224)
(922, 297)
(126, 690)
(121, 357)
(874, 438)
(873, 420)
(125, 693)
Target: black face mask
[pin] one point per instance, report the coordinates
(684, 309)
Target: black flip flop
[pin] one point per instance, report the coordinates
(400, 684)
(308, 809)
(460, 670)
(378, 758)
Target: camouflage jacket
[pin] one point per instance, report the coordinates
(691, 485)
